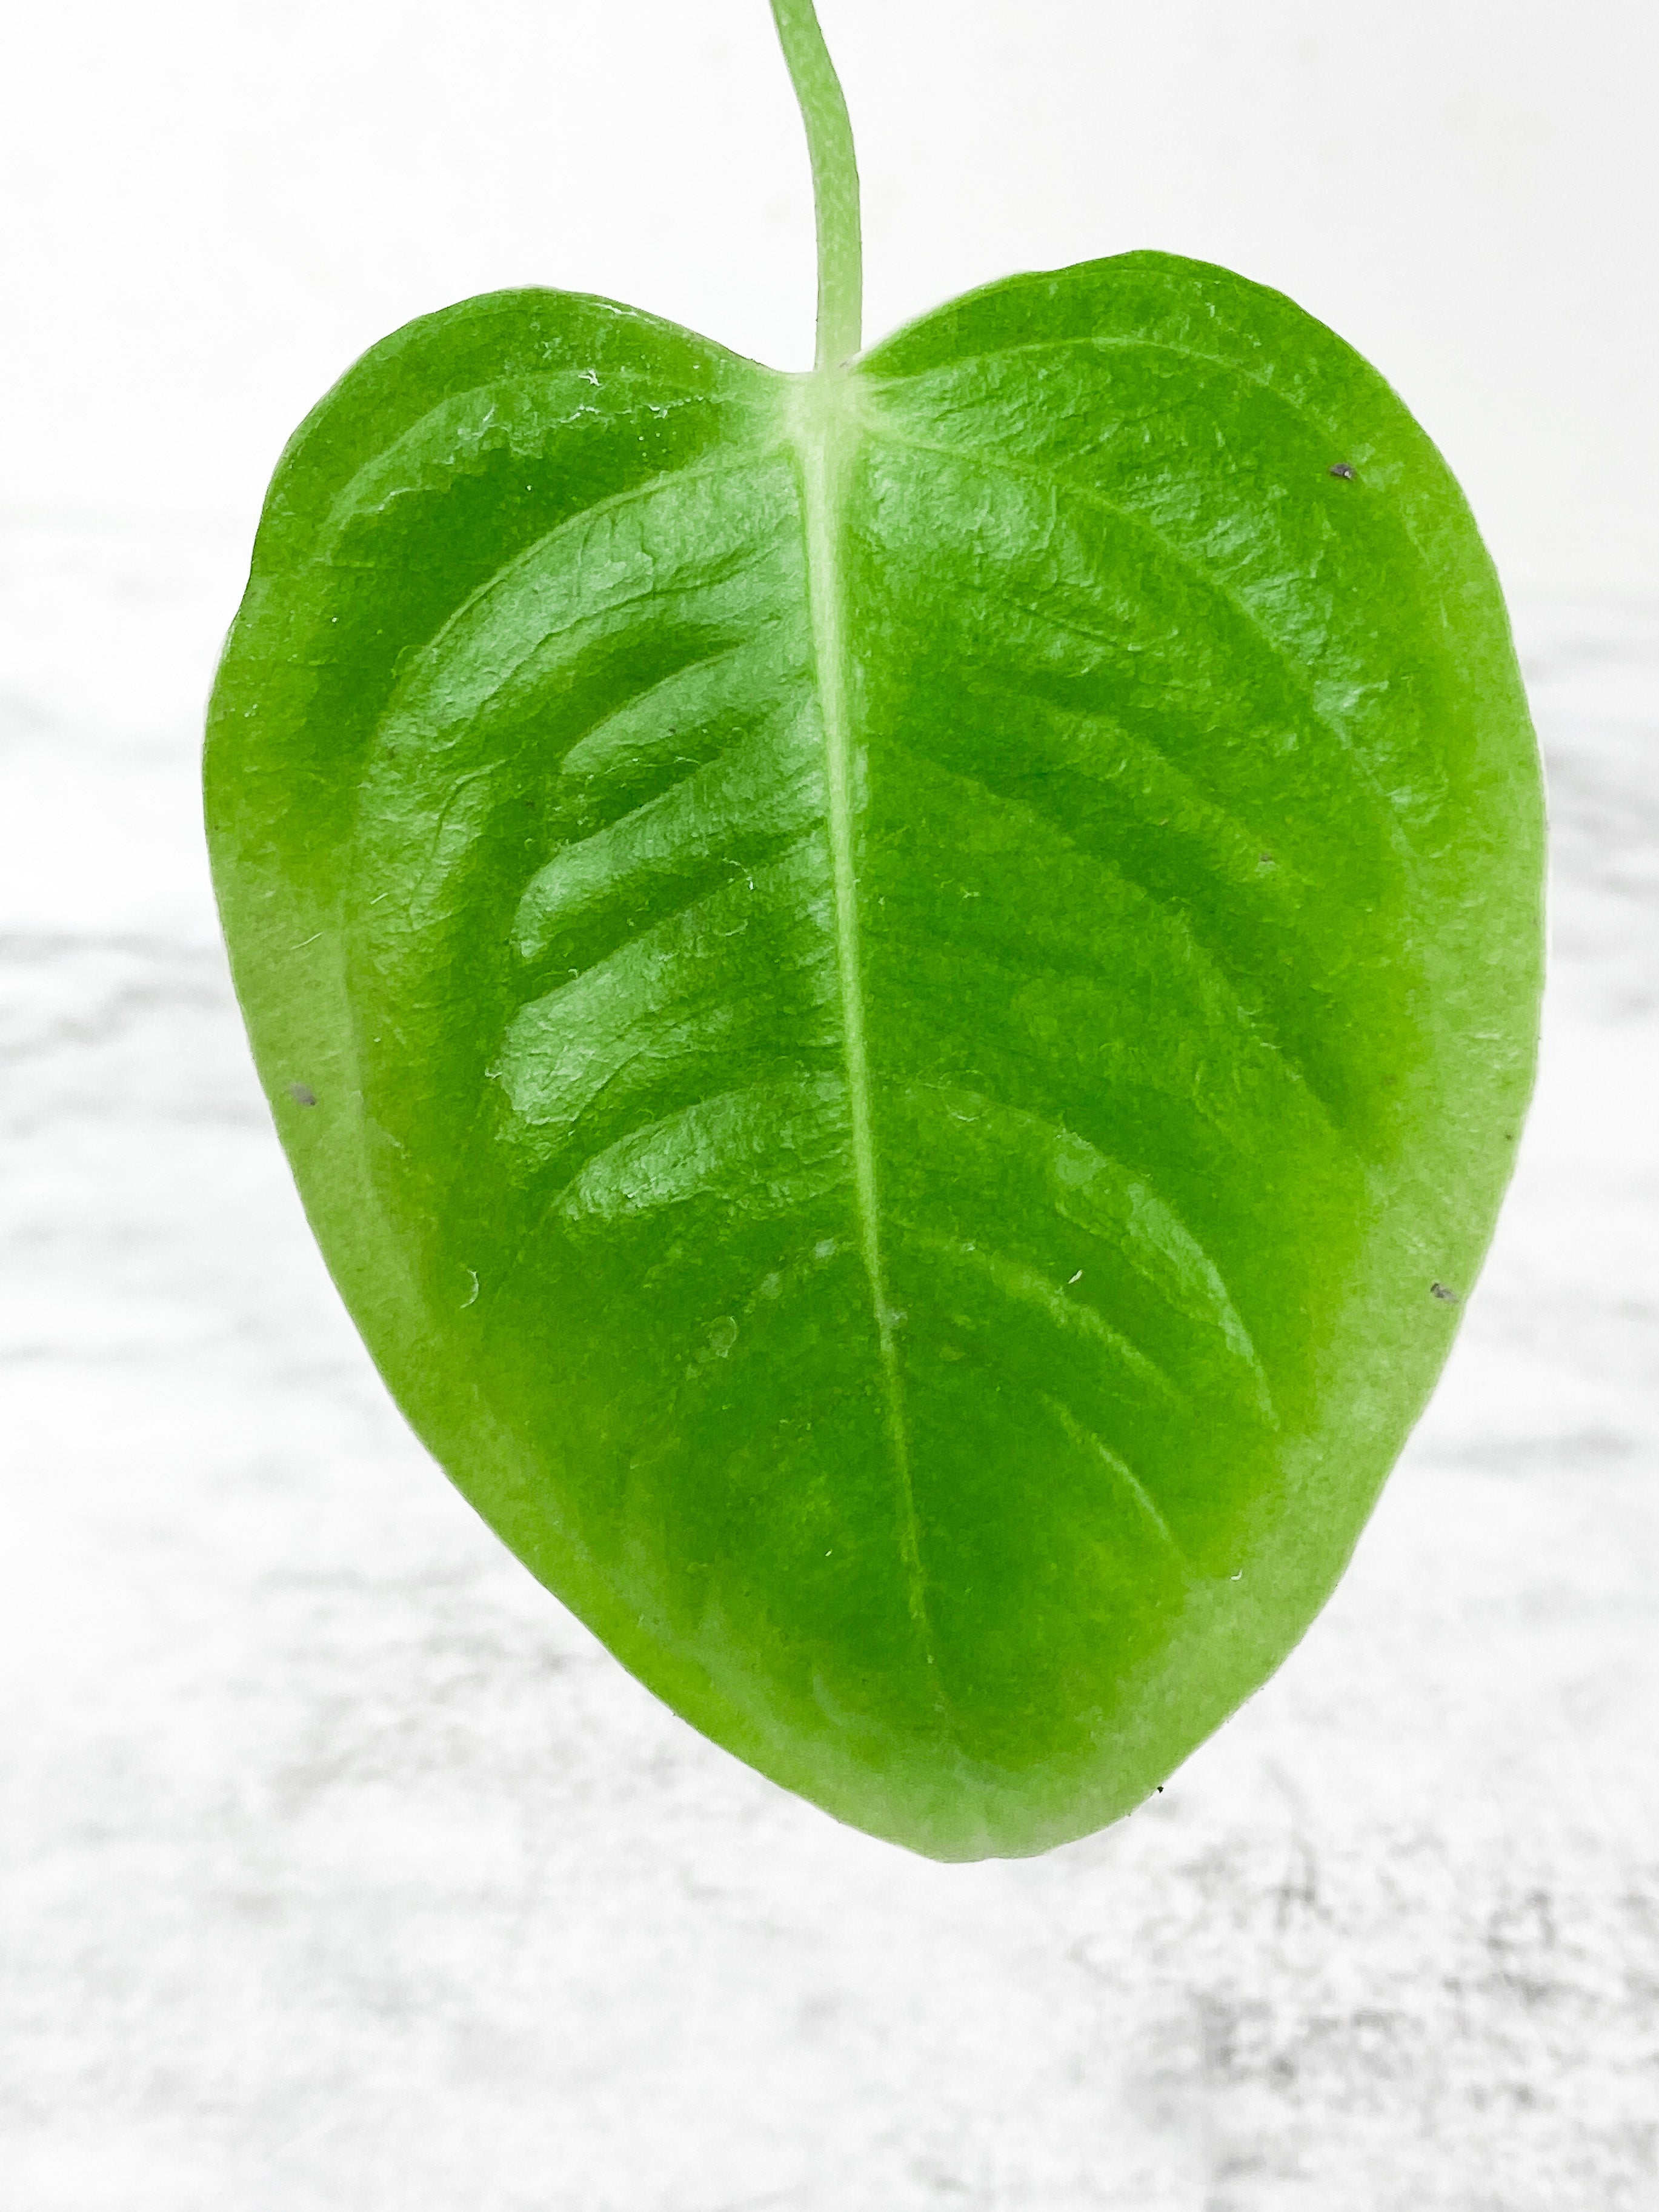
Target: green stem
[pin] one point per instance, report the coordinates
(835, 180)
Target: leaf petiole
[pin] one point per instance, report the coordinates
(834, 181)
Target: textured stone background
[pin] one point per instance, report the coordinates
(341, 1871)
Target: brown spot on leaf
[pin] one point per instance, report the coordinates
(303, 1094)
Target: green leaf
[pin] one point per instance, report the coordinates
(918, 984)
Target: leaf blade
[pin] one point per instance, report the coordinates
(834, 987)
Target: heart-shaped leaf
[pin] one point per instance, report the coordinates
(901, 997)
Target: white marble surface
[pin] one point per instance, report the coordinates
(344, 1872)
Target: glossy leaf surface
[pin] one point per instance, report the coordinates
(917, 984)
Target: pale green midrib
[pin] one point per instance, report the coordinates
(825, 430)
